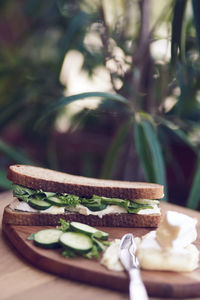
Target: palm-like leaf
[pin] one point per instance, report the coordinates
(13, 154)
(177, 30)
(114, 150)
(150, 153)
(90, 95)
(194, 196)
(196, 12)
(4, 182)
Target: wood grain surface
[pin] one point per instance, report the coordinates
(20, 279)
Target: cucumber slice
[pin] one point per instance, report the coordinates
(146, 201)
(47, 238)
(49, 194)
(79, 242)
(39, 204)
(55, 201)
(89, 230)
(95, 207)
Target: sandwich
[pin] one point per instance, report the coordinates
(43, 196)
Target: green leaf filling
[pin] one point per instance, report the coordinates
(96, 203)
(22, 193)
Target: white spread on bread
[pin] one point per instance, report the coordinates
(23, 206)
(112, 209)
(81, 209)
(150, 211)
(169, 248)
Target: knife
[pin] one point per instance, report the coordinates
(127, 249)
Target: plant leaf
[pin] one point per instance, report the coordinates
(177, 29)
(80, 20)
(14, 154)
(150, 153)
(143, 151)
(114, 150)
(67, 100)
(4, 182)
(196, 12)
(179, 133)
(194, 196)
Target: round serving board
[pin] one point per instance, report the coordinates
(158, 284)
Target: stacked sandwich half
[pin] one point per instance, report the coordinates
(43, 196)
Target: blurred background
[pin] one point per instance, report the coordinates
(107, 89)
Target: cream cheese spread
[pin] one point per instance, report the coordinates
(81, 209)
(149, 211)
(112, 209)
(23, 206)
(110, 257)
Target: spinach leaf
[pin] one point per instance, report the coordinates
(94, 204)
(136, 207)
(112, 201)
(22, 192)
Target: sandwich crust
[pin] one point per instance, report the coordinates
(54, 181)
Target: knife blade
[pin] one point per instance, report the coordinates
(127, 250)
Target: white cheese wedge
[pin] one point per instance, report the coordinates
(176, 230)
(110, 257)
(170, 248)
(153, 257)
(181, 256)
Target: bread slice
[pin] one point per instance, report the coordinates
(53, 181)
(15, 217)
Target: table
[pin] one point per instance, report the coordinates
(19, 280)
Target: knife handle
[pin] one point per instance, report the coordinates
(137, 290)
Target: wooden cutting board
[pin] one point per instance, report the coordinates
(158, 284)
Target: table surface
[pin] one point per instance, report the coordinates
(20, 280)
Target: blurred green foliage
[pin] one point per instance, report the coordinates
(159, 109)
